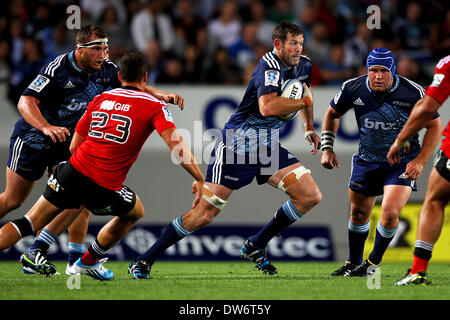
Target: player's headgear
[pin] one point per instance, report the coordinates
(381, 57)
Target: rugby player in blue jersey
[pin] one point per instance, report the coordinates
(249, 148)
(382, 102)
(51, 107)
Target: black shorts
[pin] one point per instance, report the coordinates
(67, 188)
(442, 165)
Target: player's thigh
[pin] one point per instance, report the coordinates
(17, 187)
(438, 188)
(211, 204)
(219, 190)
(275, 179)
(136, 213)
(394, 199)
(298, 185)
(42, 213)
(27, 161)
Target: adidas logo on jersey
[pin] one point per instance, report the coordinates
(358, 102)
(69, 85)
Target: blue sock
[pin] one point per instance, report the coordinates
(382, 239)
(173, 233)
(76, 251)
(285, 216)
(44, 240)
(357, 235)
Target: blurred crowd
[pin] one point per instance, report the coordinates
(221, 41)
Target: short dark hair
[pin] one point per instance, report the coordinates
(133, 66)
(282, 30)
(85, 33)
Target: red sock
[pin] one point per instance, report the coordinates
(88, 259)
(419, 265)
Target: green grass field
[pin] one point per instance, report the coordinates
(222, 281)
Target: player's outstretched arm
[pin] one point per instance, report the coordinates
(186, 159)
(166, 96)
(28, 108)
(422, 112)
(330, 125)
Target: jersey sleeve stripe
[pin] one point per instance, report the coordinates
(417, 86)
(268, 62)
(50, 70)
(443, 62)
(306, 57)
(349, 80)
(271, 57)
(132, 95)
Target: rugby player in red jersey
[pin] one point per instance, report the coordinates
(107, 141)
(431, 217)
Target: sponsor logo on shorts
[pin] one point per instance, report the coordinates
(105, 210)
(356, 184)
(53, 183)
(231, 178)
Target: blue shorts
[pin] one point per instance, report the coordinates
(233, 171)
(31, 163)
(369, 178)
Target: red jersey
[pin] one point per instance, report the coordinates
(439, 89)
(116, 125)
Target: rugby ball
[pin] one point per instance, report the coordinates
(291, 89)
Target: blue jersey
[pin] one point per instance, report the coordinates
(380, 116)
(247, 125)
(64, 90)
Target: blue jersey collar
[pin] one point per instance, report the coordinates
(392, 89)
(283, 67)
(73, 63)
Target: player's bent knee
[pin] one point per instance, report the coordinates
(12, 204)
(136, 213)
(206, 219)
(315, 198)
(359, 217)
(292, 177)
(390, 217)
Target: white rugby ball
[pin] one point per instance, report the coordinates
(292, 89)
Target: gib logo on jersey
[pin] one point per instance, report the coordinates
(377, 125)
(111, 104)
